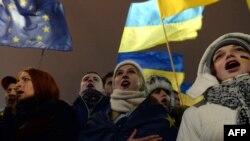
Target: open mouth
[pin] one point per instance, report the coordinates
(90, 85)
(232, 64)
(19, 93)
(125, 83)
(164, 102)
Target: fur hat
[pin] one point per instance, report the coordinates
(6, 81)
(205, 78)
(142, 83)
(160, 82)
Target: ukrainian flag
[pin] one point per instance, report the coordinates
(172, 7)
(158, 63)
(144, 27)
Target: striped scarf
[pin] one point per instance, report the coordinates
(234, 94)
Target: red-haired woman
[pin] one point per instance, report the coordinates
(39, 115)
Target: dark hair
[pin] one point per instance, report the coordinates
(106, 76)
(45, 87)
(7, 80)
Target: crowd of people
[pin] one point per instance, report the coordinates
(123, 106)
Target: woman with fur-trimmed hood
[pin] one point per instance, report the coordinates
(130, 116)
(223, 79)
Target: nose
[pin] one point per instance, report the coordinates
(18, 86)
(163, 93)
(90, 80)
(12, 92)
(124, 75)
(230, 55)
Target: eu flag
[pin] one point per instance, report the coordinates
(34, 24)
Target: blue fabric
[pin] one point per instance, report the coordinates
(148, 119)
(147, 14)
(34, 24)
(158, 60)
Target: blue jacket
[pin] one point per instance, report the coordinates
(148, 119)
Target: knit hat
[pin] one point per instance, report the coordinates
(205, 78)
(160, 82)
(6, 81)
(142, 84)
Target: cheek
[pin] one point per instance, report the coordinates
(30, 89)
(116, 83)
(218, 66)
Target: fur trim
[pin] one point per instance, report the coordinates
(160, 82)
(204, 78)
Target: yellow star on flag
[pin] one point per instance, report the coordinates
(170, 120)
(39, 38)
(11, 6)
(23, 3)
(45, 17)
(46, 29)
(15, 39)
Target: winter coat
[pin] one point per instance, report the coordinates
(39, 121)
(147, 118)
(83, 111)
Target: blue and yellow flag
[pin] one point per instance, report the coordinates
(158, 63)
(171, 7)
(34, 24)
(144, 29)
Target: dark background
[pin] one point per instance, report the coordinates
(96, 27)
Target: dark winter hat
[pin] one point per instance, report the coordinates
(7, 80)
(160, 82)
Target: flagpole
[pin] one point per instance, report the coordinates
(170, 55)
(171, 59)
(41, 59)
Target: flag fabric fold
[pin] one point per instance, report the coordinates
(34, 24)
(171, 7)
(157, 63)
(143, 28)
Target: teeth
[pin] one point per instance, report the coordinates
(125, 83)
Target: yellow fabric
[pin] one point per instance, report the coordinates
(188, 101)
(169, 75)
(248, 4)
(184, 98)
(140, 38)
(171, 7)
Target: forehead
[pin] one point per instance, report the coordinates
(228, 47)
(12, 85)
(23, 73)
(127, 66)
(91, 75)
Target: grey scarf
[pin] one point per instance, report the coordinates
(234, 94)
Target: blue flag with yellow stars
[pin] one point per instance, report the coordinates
(34, 24)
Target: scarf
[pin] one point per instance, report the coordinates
(234, 94)
(125, 101)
